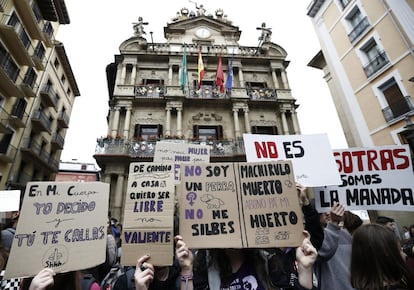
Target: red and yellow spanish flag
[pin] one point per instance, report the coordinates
(201, 70)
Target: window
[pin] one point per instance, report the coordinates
(15, 22)
(357, 22)
(148, 132)
(5, 142)
(376, 57)
(344, 3)
(19, 108)
(56, 63)
(398, 105)
(30, 77)
(63, 79)
(205, 133)
(264, 130)
(39, 51)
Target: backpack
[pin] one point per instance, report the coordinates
(118, 270)
(87, 281)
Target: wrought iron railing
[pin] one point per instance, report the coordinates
(150, 91)
(262, 94)
(147, 148)
(398, 109)
(358, 29)
(376, 63)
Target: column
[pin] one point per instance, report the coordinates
(241, 78)
(236, 123)
(246, 120)
(170, 75)
(115, 122)
(168, 121)
(295, 122)
(284, 79)
(284, 122)
(118, 194)
(133, 74)
(179, 122)
(110, 122)
(127, 123)
(123, 73)
(274, 77)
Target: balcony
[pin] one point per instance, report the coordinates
(63, 120)
(57, 142)
(149, 91)
(18, 42)
(18, 118)
(376, 63)
(358, 29)
(8, 153)
(207, 92)
(41, 122)
(398, 109)
(28, 14)
(262, 94)
(146, 149)
(48, 33)
(9, 71)
(48, 96)
(36, 153)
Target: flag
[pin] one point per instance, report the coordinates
(184, 71)
(201, 71)
(220, 76)
(229, 80)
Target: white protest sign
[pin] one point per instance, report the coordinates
(311, 155)
(177, 153)
(374, 178)
(62, 226)
(9, 200)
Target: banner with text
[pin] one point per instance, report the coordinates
(148, 226)
(62, 226)
(239, 205)
(311, 155)
(177, 153)
(377, 178)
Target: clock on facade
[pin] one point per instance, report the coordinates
(203, 32)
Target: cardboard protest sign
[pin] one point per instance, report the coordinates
(177, 153)
(239, 205)
(9, 200)
(375, 178)
(148, 226)
(311, 155)
(62, 226)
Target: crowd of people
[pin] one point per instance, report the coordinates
(338, 251)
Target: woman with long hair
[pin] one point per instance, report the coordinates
(376, 260)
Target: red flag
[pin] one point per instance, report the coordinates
(220, 76)
(201, 71)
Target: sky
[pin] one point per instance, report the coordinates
(98, 27)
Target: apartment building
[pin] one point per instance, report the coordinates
(156, 93)
(37, 91)
(367, 56)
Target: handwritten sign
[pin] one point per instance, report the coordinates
(377, 178)
(177, 153)
(239, 205)
(62, 226)
(9, 200)
(311, 155)
(149, 214)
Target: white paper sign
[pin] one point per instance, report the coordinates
(9, 200)
(311, 155)
(374, 178)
